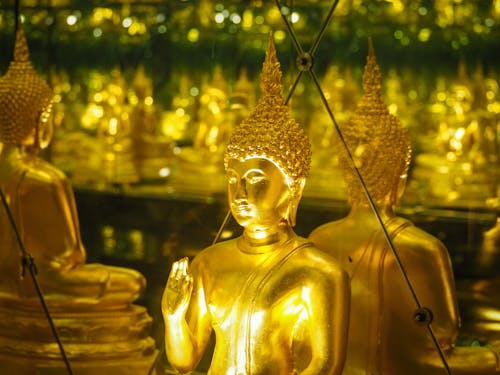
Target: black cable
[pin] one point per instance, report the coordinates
(29, 262)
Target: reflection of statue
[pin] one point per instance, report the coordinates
(151, 149)
(43, 208)
(108, 157)
(200, 166)
(383, 337)
(212, 134)
(277, 305)
(241, 100)
(458, 166)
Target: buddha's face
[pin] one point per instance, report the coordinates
(258, 192)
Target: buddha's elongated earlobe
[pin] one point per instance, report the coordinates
(293, 204)
(45, 128)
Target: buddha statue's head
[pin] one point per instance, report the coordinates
(25, 101)
(378, 143)
(268, 156)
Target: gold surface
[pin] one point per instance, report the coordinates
(276, 304)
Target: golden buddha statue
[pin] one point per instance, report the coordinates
(384, 337)
(83, 298)
(151, 148)
(276, 304)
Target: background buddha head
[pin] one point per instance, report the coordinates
(25, 101)
(378, 143)
(269, 144)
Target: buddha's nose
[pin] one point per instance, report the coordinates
(241, 192)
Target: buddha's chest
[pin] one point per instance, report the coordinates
(258, 299)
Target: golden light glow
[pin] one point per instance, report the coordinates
(127, 22)
(193, 35)
(164, 172)
(393, 108)
(113, 126)
(397, 5)
(247, 22)
(71, 20)
(96, 110)
(280, 36)
(424, 35)
(450, 156)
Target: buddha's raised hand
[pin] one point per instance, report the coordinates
(178, 290)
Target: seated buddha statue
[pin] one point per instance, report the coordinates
(276, 304)
(384, 336)
(83, 298)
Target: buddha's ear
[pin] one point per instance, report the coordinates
(45, 128)
(295, 195)
(399, 190)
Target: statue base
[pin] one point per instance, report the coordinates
(22, 366)
(95, 342)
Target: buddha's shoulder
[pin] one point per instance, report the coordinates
(414, 239)
(223, 248)
(330, 229)
(308, 256)
(37, 169)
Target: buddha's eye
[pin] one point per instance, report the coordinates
(256, 178)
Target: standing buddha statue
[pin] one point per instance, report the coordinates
(384, 338)
(277, 305)
(83, 298)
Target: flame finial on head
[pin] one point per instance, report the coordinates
(269, 131)
(271, 77)
(376, 139)
(372, 78)
(24, 95)
(21, 51)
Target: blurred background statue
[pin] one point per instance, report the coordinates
(384, 337)
(90, 303)
(276, 304)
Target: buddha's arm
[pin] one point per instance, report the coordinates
(436, 288)
(49, 221)
(71, 215)
(187, 324)
(473, 361)
(327, 302)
